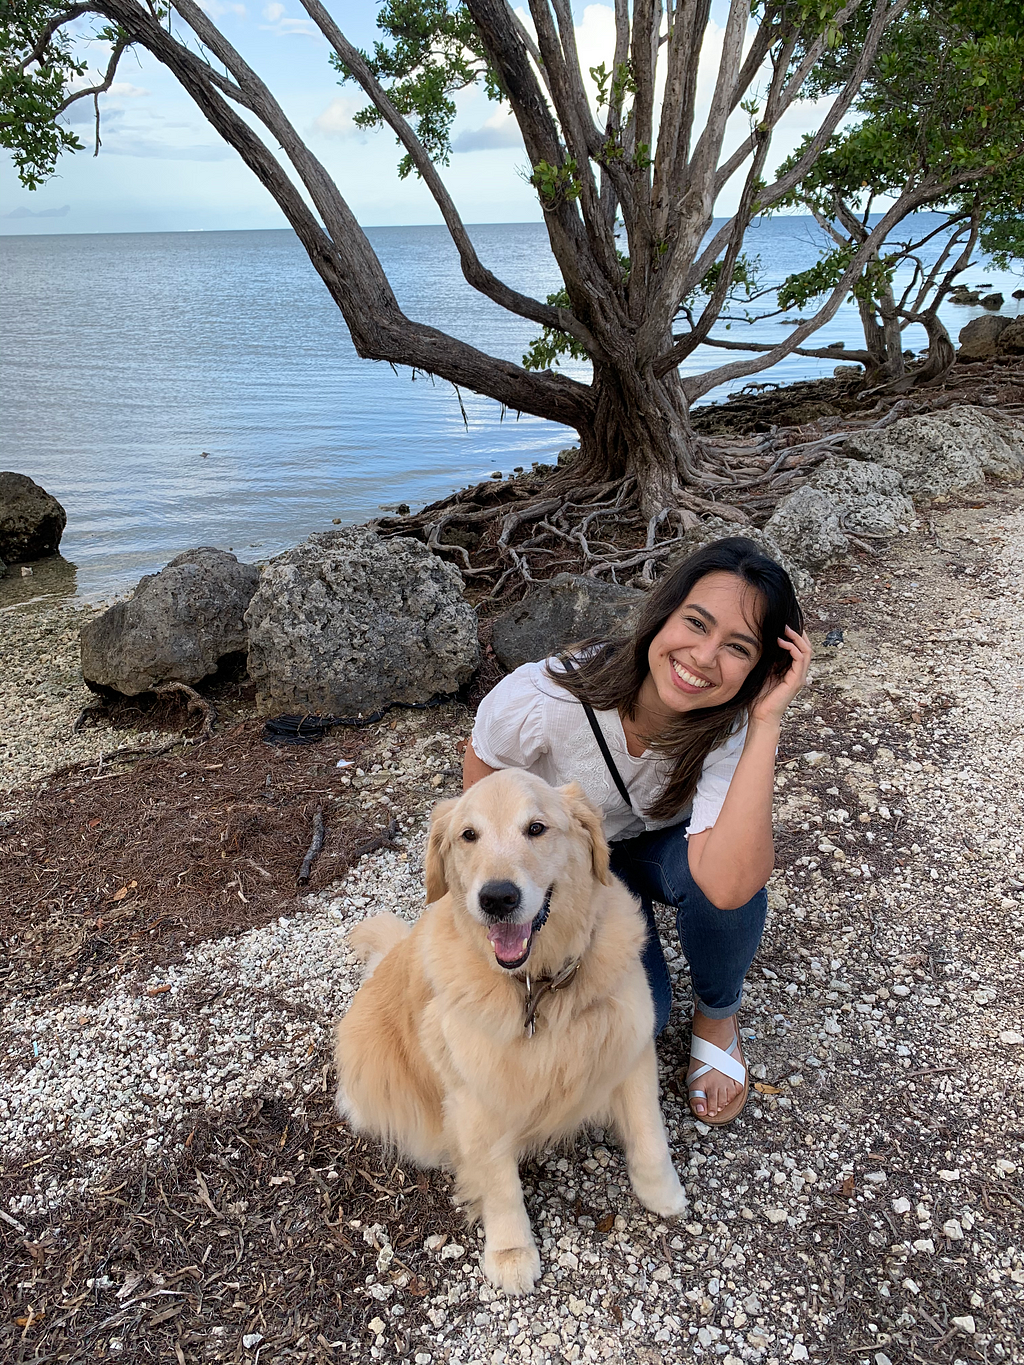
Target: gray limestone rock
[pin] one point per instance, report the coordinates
(32, 521)
(716, 528)
(870, 499)
(567, 608)
(349, 621)
(944, 452)
(978, 340)
(805, 525)
(180, 625)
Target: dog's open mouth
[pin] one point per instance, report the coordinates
(511, 943)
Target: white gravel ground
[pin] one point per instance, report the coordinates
(883, 1021)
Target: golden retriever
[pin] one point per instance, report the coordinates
(513, 1013)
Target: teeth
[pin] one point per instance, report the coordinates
(688, 677)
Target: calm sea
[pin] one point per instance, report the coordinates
(181, 389)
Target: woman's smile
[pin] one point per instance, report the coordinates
(689, 681)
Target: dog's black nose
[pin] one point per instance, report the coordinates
(499, 900)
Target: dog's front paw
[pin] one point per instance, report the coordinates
(664, 1196)
(516, 1270)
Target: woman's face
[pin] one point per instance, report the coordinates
(705, 650)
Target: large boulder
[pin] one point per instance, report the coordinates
(32, 521)
(805, 526)
(978, 340)
(944, 452)
(843, 497)
(1011, 339)
(348, 622)
(870, 499)
(180, 625)
(566, 608)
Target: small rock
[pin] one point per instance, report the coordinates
(925, 1245)
(1011, 1036)
(1005, 1167)
(799, 1352)
(252, 1339)
(966, 1324)
(901, 1205)
(776, 1215)
(952, 1229)
(452, 1252)
(949, 1176)
(26, 572)
(911, 1286)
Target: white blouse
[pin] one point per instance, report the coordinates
(528, 721)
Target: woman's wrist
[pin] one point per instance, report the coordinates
(768, 726)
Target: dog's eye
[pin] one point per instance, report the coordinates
(536, 829)
(469, 835)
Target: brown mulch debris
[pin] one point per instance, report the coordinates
(104, 869)
(246, 1233)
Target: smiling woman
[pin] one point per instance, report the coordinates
(672, 732)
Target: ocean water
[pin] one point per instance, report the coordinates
(181, 389)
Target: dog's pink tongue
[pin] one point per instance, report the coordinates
(509, 941)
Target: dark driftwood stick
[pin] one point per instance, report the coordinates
(315, 846)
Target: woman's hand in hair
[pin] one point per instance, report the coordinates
(778, 692)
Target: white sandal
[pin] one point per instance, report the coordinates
(716, 1059)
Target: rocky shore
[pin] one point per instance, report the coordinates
(174, 1181)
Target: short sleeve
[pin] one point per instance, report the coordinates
(509, 728)
(714, 780)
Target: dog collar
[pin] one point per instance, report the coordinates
(536, 991)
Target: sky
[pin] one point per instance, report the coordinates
(161, 167)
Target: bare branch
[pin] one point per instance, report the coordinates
(473, 269)
(697, 385)
(57, 22)
(96, 90)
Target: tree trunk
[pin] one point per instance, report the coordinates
(882, 338)
(941, 355)
(640, 429)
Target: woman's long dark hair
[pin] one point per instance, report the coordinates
(610, 673)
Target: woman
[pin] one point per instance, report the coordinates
(689, 708)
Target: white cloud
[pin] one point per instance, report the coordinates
(336, 121)
(217, 9)
(500, 130)
(126, 91)
(133, 144)
(278, 21)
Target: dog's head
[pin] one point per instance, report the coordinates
(506, 847)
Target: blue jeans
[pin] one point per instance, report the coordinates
(718, 944)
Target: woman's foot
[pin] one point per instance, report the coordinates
(717, 1080)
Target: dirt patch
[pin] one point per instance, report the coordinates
(106, 870)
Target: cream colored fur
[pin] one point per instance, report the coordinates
(432, 1056)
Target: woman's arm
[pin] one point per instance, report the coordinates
(473, 768)
(732, 861)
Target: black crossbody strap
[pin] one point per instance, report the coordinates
(602, 743)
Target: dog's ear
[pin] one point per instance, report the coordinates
(437, 848)
(589, 819)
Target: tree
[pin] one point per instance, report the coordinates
(943, 104)
(647, 176)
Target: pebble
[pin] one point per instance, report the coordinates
(966, 1324)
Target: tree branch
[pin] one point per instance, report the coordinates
(697, 385)
(105, 84)
(476, 274)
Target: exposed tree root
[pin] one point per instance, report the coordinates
(505, 535)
